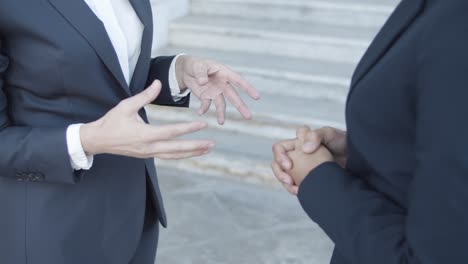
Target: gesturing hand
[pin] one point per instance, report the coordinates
(122, 132)
(211, 81)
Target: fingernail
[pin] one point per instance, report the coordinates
(285, 164)
(211, 145)
(287, 181)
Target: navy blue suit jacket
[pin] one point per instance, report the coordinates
(58, 67)
(403, 197)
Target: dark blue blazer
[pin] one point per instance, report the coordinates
(58, 67)
(403, 197)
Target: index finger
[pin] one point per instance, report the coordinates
(235, 99)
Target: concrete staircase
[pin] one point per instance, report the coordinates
(300, 54)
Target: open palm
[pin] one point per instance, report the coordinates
(211, 82)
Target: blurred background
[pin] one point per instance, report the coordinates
(300, 54)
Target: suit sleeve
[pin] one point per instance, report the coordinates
(368, 227)
(31, 154)
(159, 70)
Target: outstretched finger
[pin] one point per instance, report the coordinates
(136, 102)
(220, 105)
(183, 155)
(178, 146)
(235, 99)
(204, 106)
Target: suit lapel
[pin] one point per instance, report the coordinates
(82, 18)
(396, 25)
(143, 10)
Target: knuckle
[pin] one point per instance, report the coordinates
(328, 129)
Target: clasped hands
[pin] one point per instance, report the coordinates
(294, 159)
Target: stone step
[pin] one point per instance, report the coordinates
(368, 13)
(274, 75)
(279, 38)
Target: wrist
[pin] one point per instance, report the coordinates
(179, 68)
(89, 135)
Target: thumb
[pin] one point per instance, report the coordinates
(201, 73)
(301, 136)
(316, 138)
(136, 102)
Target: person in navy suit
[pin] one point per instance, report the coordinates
(78, 183)
(393, 188)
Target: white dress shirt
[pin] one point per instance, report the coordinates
(125, 30)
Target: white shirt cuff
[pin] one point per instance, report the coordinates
(78, 158)
(174, 84)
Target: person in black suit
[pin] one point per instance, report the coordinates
(73, 75)
(394, 187)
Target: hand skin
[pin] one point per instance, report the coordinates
(210, 82)
(333, 139)
(311, 141)
(303, 163)
(122, 132)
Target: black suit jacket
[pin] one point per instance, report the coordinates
(58, 67)
(403, 197)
